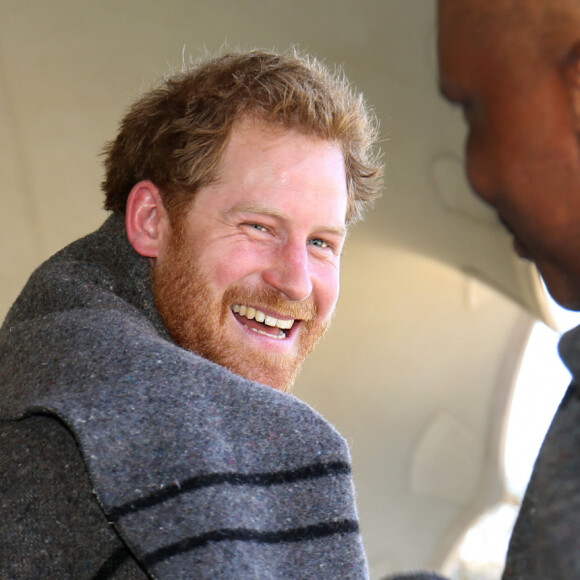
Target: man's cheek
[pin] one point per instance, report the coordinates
(326, 298)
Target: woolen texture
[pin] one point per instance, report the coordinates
(196, 472)
(546, 538)
(415, 576)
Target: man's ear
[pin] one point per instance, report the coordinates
(572, 79)
(147, 220)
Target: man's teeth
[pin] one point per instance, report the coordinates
(253, 314)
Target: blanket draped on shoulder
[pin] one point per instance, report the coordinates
(202, 473)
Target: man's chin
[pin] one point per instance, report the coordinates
(567, 300)
(564, 288)
(277, 368)
(274, 372)
(285, 386)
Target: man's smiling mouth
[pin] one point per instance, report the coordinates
(261, 322)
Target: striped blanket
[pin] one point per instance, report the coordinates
(196, 472)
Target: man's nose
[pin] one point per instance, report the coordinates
(289, 272)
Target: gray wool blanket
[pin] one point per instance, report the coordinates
(196, 472)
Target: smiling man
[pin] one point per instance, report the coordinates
(514, 68)
(248, 277)
(145, 425)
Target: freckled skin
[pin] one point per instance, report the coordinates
(268, 234)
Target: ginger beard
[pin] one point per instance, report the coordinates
(195, 317)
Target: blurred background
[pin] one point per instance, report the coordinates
(421, 369)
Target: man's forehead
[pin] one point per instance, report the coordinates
(504, 41)
(476, 39)
(491, 22)
(457, 43)
(476, 9)
(470, 21)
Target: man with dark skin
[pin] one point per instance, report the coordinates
(514, 68)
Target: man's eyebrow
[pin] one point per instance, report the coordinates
(257, 207)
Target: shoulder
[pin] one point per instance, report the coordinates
(52, 525)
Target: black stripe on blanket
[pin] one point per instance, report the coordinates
(112, 564)
(244, 535)
(258, 479)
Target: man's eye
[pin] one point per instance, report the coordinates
(259, 227)
(319, 243)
